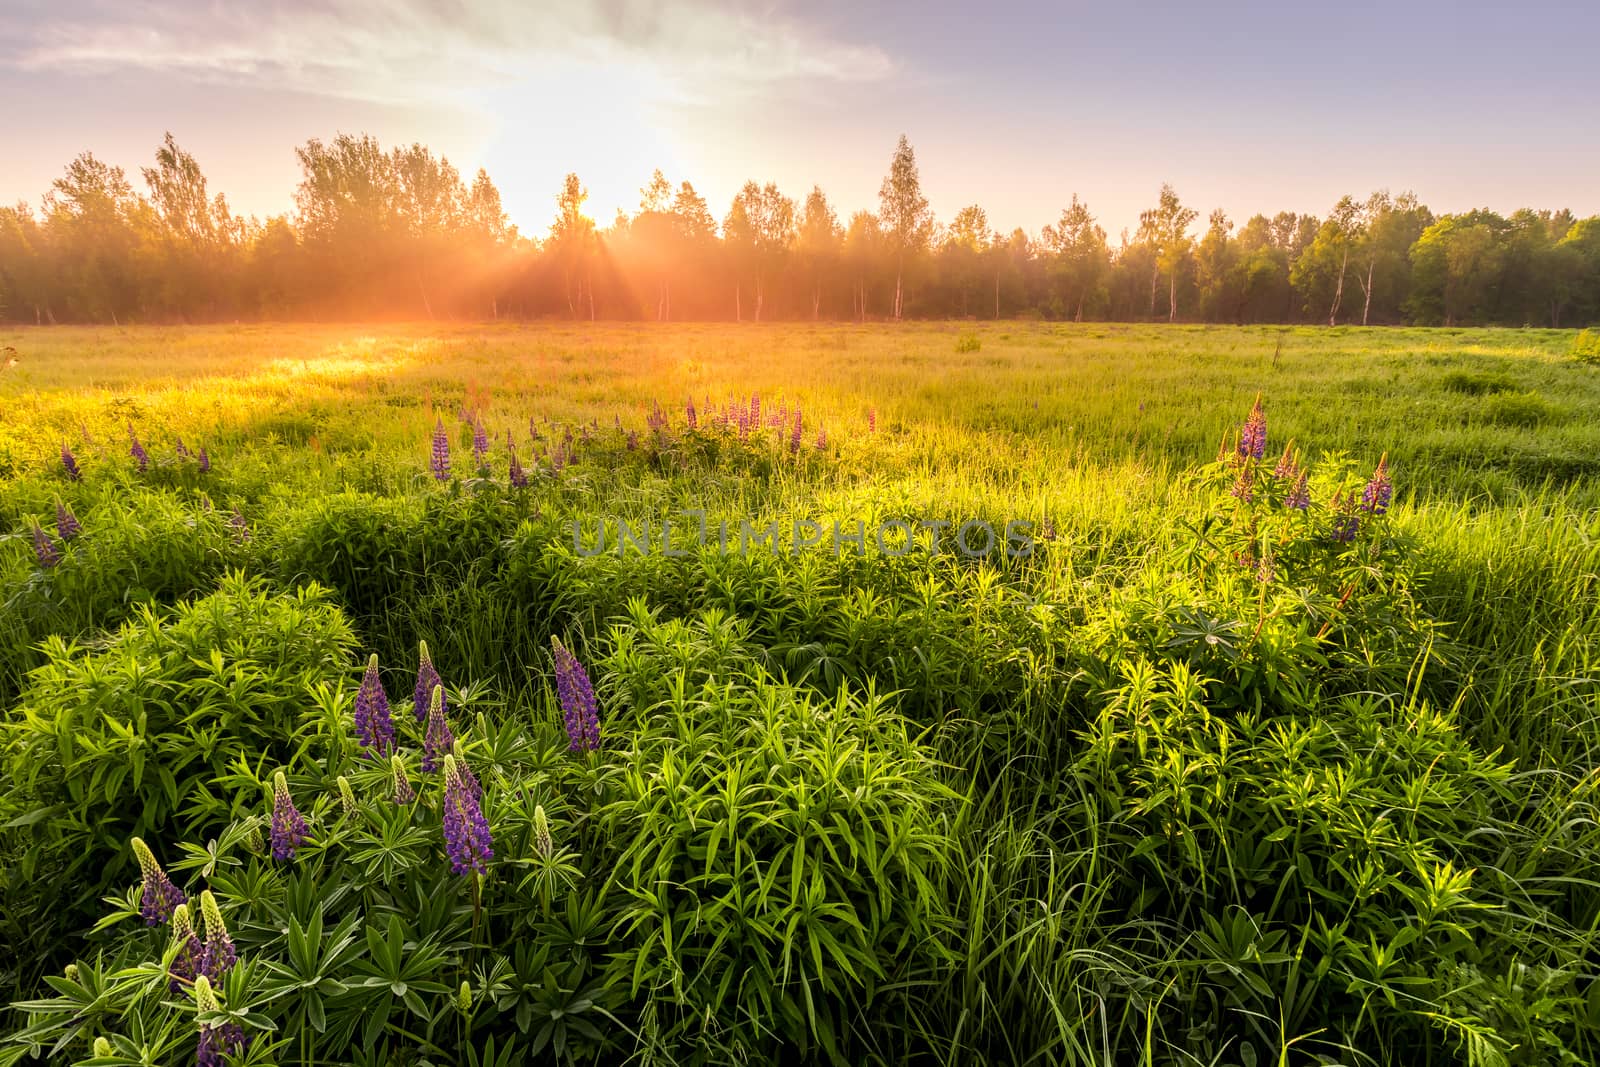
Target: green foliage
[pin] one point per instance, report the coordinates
(1586, 346)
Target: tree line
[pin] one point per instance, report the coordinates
(400, 232)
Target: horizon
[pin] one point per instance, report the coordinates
(717, 95)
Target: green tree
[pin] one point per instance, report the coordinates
(903, 214)
(1079, 258)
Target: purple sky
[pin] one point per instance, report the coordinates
(1244, 106)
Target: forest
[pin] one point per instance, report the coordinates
(400, 233)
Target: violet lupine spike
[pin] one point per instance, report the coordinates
(218, 956)
(437, 740)
(822, 438)
(69, 463)
(466, 769)
(288, 827)
(403, 792)
(518, 476)
(1346, 523)
(1253, 436)
(689, 414)
(439, 461)
(205, 460)
(374, 727)
(44, 548)
(466, 832)
(217, 1043)
(136, 450)
(238, 526)
(633, 440)
(872, 420)
(1299, 496)
(182, 449)
(158, 897)
(1287, 467)
(755, 409)
(480, 444)
(794, 438)
(581, 711)
(1379, 491)
(1244, 486)
(427, 680)
(67, 525)
(186, 963)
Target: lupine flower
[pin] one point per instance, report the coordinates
(182, 449)
(755, 409)
(437, 739)
(577, 700)
(71, 971)
(69, 463)
(44, 547)
(347, 795)
(288, 828)
(1346, 523)
(217, 1043)
(542, 842)
(464, 997)
(102, 1048)
(872, 420)
(67, 525)
(1244, 486)
(403, 793)
(1265, 570)
(1375, 497)
(440, 460)
(822, 438)
(1299, 496)
(794, 438)
(238, 526)
(518, 476)
(205, 460)
(1287, 467)
(186, 963)
(689, 414)
(253, 841)
(480, 444)
(205, 504)
(633, 440)
(466, 831)
(218, 956)
(1253, 436)
(466, 769)
(427, 680)
(136, 450)
(373, 725)
(158, 897)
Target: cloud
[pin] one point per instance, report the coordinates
(433, 51)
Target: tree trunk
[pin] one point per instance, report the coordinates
(997, 294)
(423, 290)
(760, 297)
(738, 302)
(588, 283)
(1366, 291)
(816, 301)
(1338, 290)
(1172, 297)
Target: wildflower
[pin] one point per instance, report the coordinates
(1287, 467)
(67, 525)
(1346, 523)
(288, 828)
(182, 449)
(1264, 570)
(69, 463)
(136, 450)
(205, 460)
(542, 842)
(441, 451)
(158, 897)
(1299, 496)
(347, 795)
(238, 526)
(577, 700)
(464, 997)
(466, 831)
(217, 957)
(1375, 497)
(403, 793)
(1243, 486)
(466, 769)
(872, 420)
(71, 971)
(755, 409)
(633, 440)
(427, 680)
(205, 504)
(518, 476)
(657, 419)
(689, 414)
(186, 961)
(822, 438)
(373, 725)
(1253, 436)
(480, 444)
(794, 438)
(437, 739)
(102, 1048)
(44, 547)
(218, 1042)
(253, 842)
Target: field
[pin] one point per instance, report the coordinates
(1181, 773)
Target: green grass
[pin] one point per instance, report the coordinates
(1193, 783)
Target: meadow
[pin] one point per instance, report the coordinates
(1277, 744)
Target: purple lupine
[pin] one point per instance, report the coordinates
(1299, 496)
(288, 827)
(480, 444)
(657, 419)
(158, 897)
(1375, 497)
(1253, 435)
(218, 956)
(1244, 485)
(466, 832)
(69, 463)
(403, 793)
(67, 525)
(182, 449)
(238, 526)
(582, 713)
(1346, 523)
(466, 770)
(440, 461)
(755, 410)
(689, 414)
(1287, 468)
(186, 962)
(427, 680)
(518, 476)
(219, 1042)
(44, 548)
(373, 725)
(136, 450)
(794, 438)
(822, 438)
(437, 740)
(633, 440)
(205, 460)
(872, 420)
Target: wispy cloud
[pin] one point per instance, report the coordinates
(413, 51)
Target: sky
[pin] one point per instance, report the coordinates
(1014, 106)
